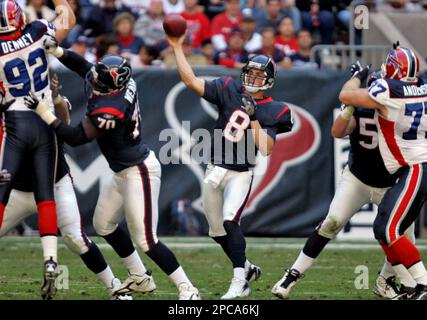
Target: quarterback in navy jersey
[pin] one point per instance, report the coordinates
(113, 119)
(24, 68)
(248, 121)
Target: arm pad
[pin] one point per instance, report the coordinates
(74, 136)
(76, 63)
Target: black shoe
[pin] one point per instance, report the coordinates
(48, 289)
(406, 293)
(421, 292)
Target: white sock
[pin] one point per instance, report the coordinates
(247, 264)
(387, 270)
(404, 276)
(50, 247)
(419, 273)
(134, 264)
(179, 276)
(106, 277)
(239, 273)
(303, 262)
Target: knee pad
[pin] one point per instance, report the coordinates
(76, 243)
(330, 227)
(101, 227)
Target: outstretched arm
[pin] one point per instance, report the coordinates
(184, 68)
(65, 19)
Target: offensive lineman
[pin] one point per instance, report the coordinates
(228, 178)
(113, 119)
(24, 68)
(364, 180)
(21, 205)
(400, 103)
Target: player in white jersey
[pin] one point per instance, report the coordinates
(24, 69)
(401, 102)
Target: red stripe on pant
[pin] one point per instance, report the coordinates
(48, 224)
(2, 207)
(236, 217)
(404, 205)
(148, 210)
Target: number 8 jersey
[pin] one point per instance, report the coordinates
(24, 65)
(403, 132)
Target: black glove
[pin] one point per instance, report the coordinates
(5, 177)
(249, 105)
(6, 105)
(374, 76)
(363, 74)
(355, 68)
(31, 101)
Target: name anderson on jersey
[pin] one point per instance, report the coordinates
(415, 90)
(12, 45)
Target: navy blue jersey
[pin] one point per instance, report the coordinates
(235, 148)
(365, 159)
(118, 116)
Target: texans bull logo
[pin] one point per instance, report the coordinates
(290, 148)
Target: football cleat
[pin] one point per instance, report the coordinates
(421, 292)
(386, 288)
(283, 287)
(116, 284)
(188, 292)
(48, 289)
(238, 289)
(252, 273)
(406, 293)
(137, 283)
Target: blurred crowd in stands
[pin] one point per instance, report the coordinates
(219, 32)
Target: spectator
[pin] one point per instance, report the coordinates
(235, 56)
(270, 17)
(253, 40)
(208, 51)
(37, 9)
(138, 7)
(317, 15)
(193, 58)
(224, 23)
(254, 8)
(150, 25)
(124, 29)
(148, 56)
(198, 24)
(286, 40)
(268, 47)
(173, 6)
(106, 45)
(100, 20)
(288, 9)
(301, 58)
(212, 7)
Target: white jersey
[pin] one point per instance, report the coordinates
(24, 65)
(403, 133)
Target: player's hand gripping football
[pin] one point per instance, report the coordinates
(5, 177)
(40, 107)
(249, 105)
(175, 42)
(51, 46)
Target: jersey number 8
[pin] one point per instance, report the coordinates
(236, 126)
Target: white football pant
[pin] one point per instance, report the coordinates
(225, 198)
(22, 205)
(133, 194)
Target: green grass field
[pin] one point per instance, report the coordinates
(332, 276)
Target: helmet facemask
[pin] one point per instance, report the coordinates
(249, 81)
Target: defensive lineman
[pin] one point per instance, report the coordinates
(400, 103)
(364, 180)
(113, 119)
(228, 179)
(24, 68)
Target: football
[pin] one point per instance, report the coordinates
(174, 25)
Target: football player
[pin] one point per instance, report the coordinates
(21, 205)
(364, 180)
(24, 68)
(400, 103)
(248, 119)
(113, 119)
